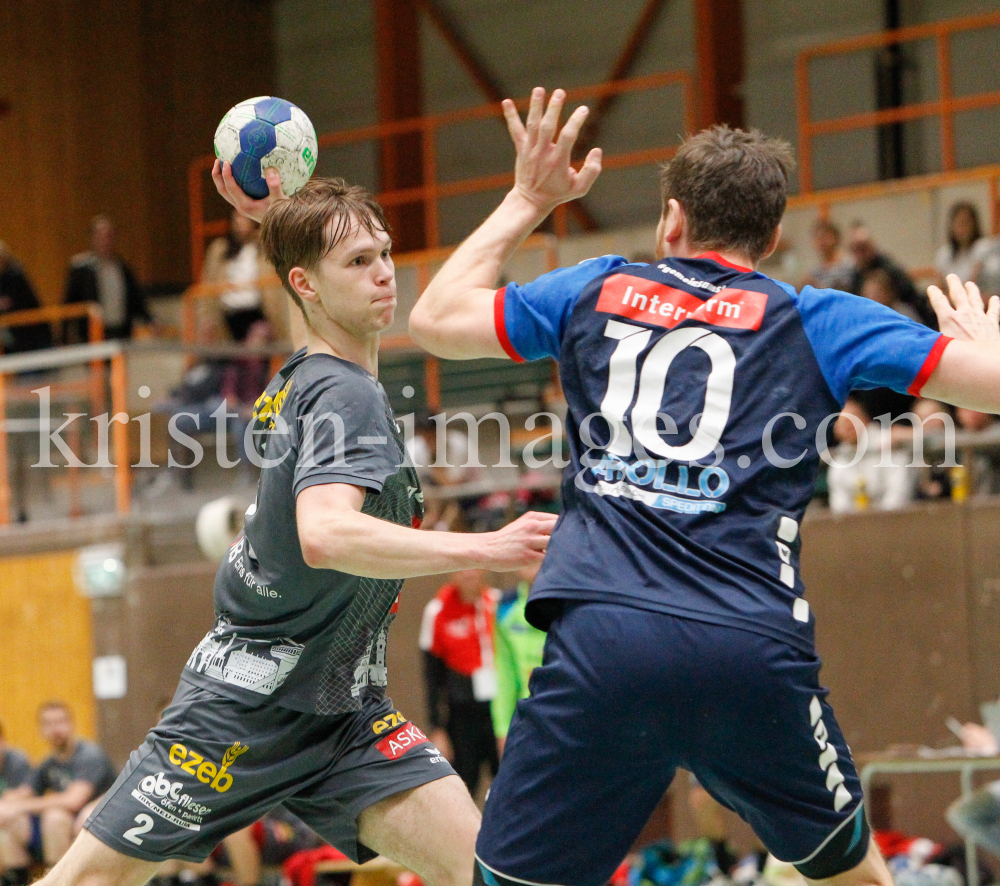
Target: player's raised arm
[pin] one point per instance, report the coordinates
(454, 316)
(334, 534)
(968, 373)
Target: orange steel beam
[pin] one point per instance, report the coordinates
(119, 431)
(719, 50)
(803, 103)
(432, 382)
(400, 97)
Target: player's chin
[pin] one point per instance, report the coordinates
(385, 312)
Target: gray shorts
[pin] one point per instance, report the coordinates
(213, 765)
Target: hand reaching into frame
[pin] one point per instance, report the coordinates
(543, 173)
(225, 184)
(961, 313)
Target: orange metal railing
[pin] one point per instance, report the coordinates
(945, 106)
(433, 191)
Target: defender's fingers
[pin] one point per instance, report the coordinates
(993, 310)
(975, 297)
(939, 301)
(535, 108)
(571, 131)
(550, 121)
(956, 291)
(588, 173)
(514, 125)
(220, 185)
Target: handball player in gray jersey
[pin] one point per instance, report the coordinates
(284, 700)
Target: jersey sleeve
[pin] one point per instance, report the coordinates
(531, 319)
(860, 344)
(344, 434)
(18, 770)
(89, 765)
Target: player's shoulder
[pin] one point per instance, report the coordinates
(325, 380)
(576, 277)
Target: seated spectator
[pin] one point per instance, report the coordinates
(518, 648)
(878, 285)
(977, 815)
(868, 258)
(835, 270)
(15, 825)
(237, 262)
(856, 479)
(986, 268)
(67, 785)
(456, 637)
(17, 294)
(965, 244)
(102, 276)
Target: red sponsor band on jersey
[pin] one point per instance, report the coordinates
(397, 743)
(662, 305)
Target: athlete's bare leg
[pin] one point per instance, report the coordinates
(14, 838)
(90, 863)
(430, 829)
(871, 872)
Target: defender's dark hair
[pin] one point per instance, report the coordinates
(732, 185)
(300, 231)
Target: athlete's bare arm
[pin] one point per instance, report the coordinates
(968, 373)
(454, 316)
(334, 534)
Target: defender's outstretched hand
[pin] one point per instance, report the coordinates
(543, 173)
(225, 184)
(961, 313)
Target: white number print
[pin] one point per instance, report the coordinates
(622, 369)
(145, 825)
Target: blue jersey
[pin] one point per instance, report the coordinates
(700, 395)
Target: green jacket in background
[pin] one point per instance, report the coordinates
(517, 651)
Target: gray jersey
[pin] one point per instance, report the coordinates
(312, 640)
(15, 770)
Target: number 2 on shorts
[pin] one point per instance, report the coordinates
(145, 825)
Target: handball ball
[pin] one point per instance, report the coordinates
(263, 132)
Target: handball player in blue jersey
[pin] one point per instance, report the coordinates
(699, 392)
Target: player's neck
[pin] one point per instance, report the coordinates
(338, 342)
(728, 257)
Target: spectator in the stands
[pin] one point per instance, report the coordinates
(868, 470)
(986, 267)
(101, 275)
(15, 824)
(976, 816)
(868, 258)
(518, 648)
(960, 254)
(251, 290)
(835, 270)
(878, 285)
(17, 294)
(67, 785)
(456, 637)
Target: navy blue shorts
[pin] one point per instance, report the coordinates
(624, 697)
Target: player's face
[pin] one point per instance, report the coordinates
(356, 282)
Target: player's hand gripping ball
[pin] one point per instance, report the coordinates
(263, 132)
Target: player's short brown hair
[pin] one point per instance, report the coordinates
(733, 185)
(55, 704)
(300, 231)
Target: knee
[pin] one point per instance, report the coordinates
(52, 820)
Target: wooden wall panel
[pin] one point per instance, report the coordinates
(45, 633)
(110, 100)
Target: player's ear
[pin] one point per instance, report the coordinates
(299, 280)
(674, 223)
(773, 244)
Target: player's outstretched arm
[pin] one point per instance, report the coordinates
(968, 373)
(334, 534)
(231, 192)
(454, 316)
